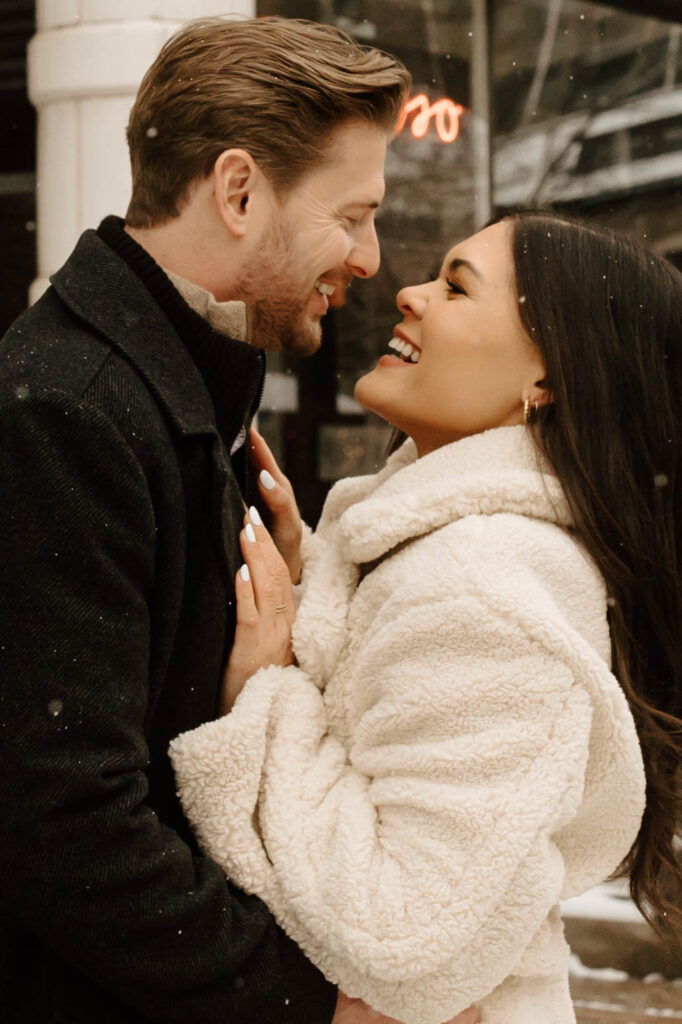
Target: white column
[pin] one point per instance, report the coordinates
(480, 110)
(84, 67)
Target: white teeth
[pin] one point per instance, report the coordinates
(324, 288)
(407, 351)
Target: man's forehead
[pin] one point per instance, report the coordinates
(352, 166)
(341, 191)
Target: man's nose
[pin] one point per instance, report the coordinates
(365, 257)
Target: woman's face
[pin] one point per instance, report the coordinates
(472, 363)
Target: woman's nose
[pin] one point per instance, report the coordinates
(411, 300)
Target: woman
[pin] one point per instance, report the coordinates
(484, 714)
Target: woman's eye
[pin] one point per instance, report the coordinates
(454, 288)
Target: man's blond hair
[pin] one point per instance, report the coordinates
(276, 87)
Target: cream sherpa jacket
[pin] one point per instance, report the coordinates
(452, 754)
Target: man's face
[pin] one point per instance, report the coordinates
(319, 237)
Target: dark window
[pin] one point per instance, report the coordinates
(640, 142)
(17, 116)
(656, 138)
(17, 161)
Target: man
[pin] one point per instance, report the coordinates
(126, 394)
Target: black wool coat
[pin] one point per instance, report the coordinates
(119, 516)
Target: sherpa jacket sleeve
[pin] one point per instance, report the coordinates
(413, 862)
(85, 865)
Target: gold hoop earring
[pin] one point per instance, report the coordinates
(526, 410)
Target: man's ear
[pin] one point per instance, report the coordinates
(236, 177)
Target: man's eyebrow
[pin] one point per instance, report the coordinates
(359, 205)
(457, 263)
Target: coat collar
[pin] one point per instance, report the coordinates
(101, 289)
(497, 471)
(365, 518)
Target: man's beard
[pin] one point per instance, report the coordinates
(272, 292)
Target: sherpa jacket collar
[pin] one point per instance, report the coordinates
(496, 471)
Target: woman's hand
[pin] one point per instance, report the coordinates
(265, 610)
(278, 495)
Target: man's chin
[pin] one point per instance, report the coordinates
(310, 339)
(304, 340)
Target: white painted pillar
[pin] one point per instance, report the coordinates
(84, 67)
(481, 110)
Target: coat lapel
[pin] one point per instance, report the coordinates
(102, 290)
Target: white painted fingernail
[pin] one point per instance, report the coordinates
(254, 516)
(244, 573)
(267, 480)
(250, 535)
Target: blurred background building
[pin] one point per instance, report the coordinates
(567, 103)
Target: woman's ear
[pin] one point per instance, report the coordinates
(235, 176)
(541, 394)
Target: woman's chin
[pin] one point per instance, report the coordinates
(370, 393)
(362, 393)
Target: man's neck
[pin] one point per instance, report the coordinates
(230, 318)
(194, 251)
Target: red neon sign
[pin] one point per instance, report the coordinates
(444, 113)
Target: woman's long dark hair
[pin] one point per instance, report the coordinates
(607, 318)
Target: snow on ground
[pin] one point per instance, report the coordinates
(577, 969)
(607, 902)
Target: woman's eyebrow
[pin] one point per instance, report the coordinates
(457, 263)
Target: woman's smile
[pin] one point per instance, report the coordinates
(406, 353)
